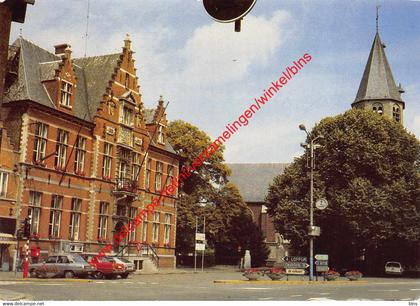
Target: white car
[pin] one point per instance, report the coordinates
(128, 265)
(394, 268)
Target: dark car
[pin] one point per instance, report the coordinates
(67, 265)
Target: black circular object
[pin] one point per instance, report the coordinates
(228, 10)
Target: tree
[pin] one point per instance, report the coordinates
(208, 193)
(368, 169)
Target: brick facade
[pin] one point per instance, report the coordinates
(90, 155)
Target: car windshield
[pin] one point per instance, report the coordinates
(393, 265)
(78, 259)
(124, 260)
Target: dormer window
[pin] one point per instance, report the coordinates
(161, 134)
(127, 116)
(66, 93)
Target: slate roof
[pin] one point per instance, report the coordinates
(253, 180)
(93, 75)
(377, 81)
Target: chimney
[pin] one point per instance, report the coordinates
(63, 49)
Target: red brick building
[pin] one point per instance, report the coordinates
(84, 155)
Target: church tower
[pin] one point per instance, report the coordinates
(378, 91)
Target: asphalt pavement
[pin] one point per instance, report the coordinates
(202, 286)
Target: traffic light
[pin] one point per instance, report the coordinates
(26, 227)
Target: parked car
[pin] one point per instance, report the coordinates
(67, 265)
(393, 268)
(104, 267)
(128, 265)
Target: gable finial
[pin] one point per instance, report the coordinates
(377, 18)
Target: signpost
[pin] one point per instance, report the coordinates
(296, 265)
(295, 271)
(321, 256)
(295, 258)
(200, 244)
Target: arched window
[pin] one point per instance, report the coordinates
(378, 108)
(396, 114)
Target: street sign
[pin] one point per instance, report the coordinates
(295, 258)
(322, 268)
(200, 246)
(295, 271)
(314, 230)
(228, 10)
(321, 262)
(200, 236)
(295, 265)
(321, 256)
(321, 204)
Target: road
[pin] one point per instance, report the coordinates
(200, 286)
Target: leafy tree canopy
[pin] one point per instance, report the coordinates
(368, 170)
(208, 193)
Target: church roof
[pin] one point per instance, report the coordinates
(377, 81)
(253, 180)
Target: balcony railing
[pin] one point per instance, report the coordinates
(124, 184)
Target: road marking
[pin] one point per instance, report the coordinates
(128, 283)
(252, 288)
(407, 299)
(141, 283)
(51, 284)
(99, 282)
(319, 299)
(13, 283)
(155, 283)
(114, 282)
(324, 293)
(266, 298)
(385, 290)
(296, 295)
(415, 289)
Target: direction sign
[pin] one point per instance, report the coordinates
(295, 258)
(322, 268)
(321, 262)
(200, 236)
(295, 265)
(200, 246)
(295, 271)
(321, 256)
(321, 204)
(228, 10)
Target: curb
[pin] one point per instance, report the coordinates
(46, 280)
(267, 282)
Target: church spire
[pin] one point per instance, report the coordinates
(377, 89)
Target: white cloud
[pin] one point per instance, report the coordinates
(217, 54)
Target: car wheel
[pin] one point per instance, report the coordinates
(124, 275)
(98, 275)
(33, 273)
(69, 274)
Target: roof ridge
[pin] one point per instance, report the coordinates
(103, 55)
(35, 45)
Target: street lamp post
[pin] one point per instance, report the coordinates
(312, 147)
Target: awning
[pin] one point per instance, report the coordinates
(7, 239)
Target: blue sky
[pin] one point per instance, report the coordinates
(210, 74)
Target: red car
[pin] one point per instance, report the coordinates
(105, 268)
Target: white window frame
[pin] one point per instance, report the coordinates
(4, 179)
(144, 227)
(133, 214)
(34, 210)
(66, 93)
(40, 142)
(158, 176)
(80, 155)
(75, 217)
(148, 172)
(155, 227)
(103, 220)
(167, 229)
(107, 162)
(61, 149)
(135, 170)
(55, 216)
